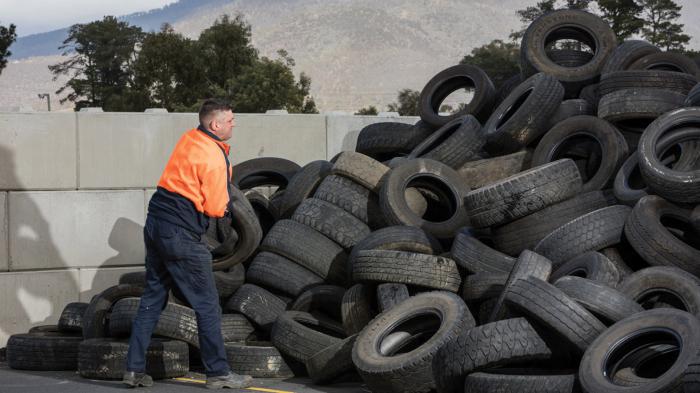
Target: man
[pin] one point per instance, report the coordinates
(193, 188)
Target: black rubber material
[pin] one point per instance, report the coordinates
(659, 243)
(693, 98)
(452, 79)
(266, 213)
(482, 286)
(43, 352)
(427, 321)
(523, 194)
(361, 169)
(487, 346)
(476, 174)
(258, 360)
(351, 197)
(443, 216)
(590, 232)
(71, 319)
(96, 316)
(302, 185)
(325, 298)
(604, 302)
(247, 226)
(263, 171)
(523, 116)
(474, 256)
(358, 307)
(610, 350)
(236, 328)
(570, 108)
(278, 273)
(332, 362)
(105, 358)
(506, 380)
(627, 53)
(390, 139)
(667, 61)
(300, 335)
(663, 286)
(398, 238)
(453, 144)
(391, 294)
(549, 306)
(257, 304)
(591, 265)
(569, 134)
(637, 104)
(667, 80)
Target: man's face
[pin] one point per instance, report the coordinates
(225, 121)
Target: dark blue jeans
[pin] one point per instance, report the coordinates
(176, 256)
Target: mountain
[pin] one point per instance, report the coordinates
(357, 52)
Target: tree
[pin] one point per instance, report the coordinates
(269, 84)
(659, 27)
(623, 16)
(408, 103)
(100, 68)
(368, 111)
(578, 4)
(169, 72)
(7, 37)
(529, 14)
(500, 60)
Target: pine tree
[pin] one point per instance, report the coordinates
(7, 37)
(659, 24)
(531, 13)
(623, 16)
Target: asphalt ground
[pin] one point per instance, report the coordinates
(19, 381)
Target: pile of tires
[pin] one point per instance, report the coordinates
(543, 238)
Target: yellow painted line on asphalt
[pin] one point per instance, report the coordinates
(255, 389)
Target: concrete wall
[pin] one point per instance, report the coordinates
(74, 189)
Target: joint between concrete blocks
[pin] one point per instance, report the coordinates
(6, 227)
(77, 152)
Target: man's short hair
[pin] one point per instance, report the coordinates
(210, 106)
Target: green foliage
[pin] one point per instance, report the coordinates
(500, 60)
(623, 16)
(531, 13)
(100, 68)
(408, 103)
(578, 4)
(659, 24)
(368, 111)
(7, 37)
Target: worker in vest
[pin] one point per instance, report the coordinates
(194, 187)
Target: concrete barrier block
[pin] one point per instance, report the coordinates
(95, 280)
(343, 130)
(147, 199)
(62, 229)
(4, 252)
(34, 298)
(300, 138)
(127, 150)
(37, 151)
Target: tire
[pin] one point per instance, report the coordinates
(105, 358)
(693, 98)
(569, 58)
(264, 171)
(526, 232)
(325, 298)
(389, 139)
(506, 87)
(591, 265)
(570, 108)
(42, 352)
(476, 174)
(258, 361)
(176, 322)
(236, 328)
(257, 304)
(267, 215)
(409, 371)
(512, 125)
(391, 294)
(332, 221)
(482, 286)
(654, 240)
(228, 282)
(71, 319)
(220, 237)
(498, 381)
(357, 308)
(443, 217)
(667, 61)
(591, 232)
(674, 185)
(604, 302)
(332, 362)
(638, 103)
(300, 335)
(351, 197)
(278, 273)
(475, 257)
(397, 238)
(96, 316)
(484, 347)
(627, 53)
(450, 80)
(567, 24)
(133, 278)
(528, 264)
(407, 268)
(663, 286)
(360, 169)
(666, 80)
(550, 307)
(639, 331)
(303, 185)
(522, 194)
(453, 144)
(309, 248)
(591, 95)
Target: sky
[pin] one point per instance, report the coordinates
(38, 16)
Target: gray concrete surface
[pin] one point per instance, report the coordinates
(92, 281)
(37, 151)
(64, 229)
(4, 234)
(18, 381)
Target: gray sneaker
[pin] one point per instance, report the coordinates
(231, 381)
(134, 379)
